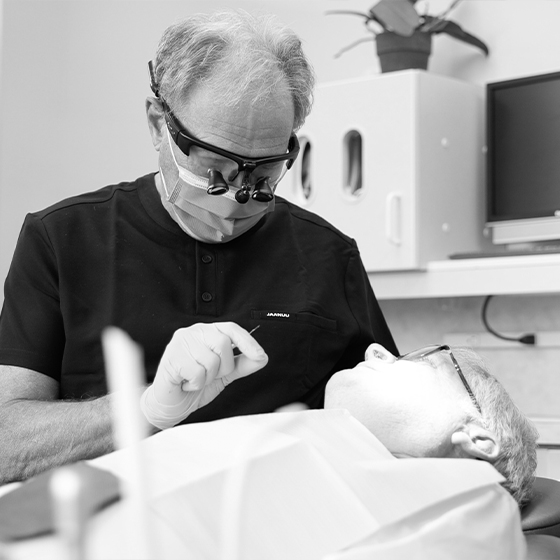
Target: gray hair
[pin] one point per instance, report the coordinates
(239, 55)
(517, 436)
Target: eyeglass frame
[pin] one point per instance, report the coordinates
(185, 141)
(434, 349)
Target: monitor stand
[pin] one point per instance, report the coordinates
(512, 250)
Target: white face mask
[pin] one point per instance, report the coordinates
(207, 218)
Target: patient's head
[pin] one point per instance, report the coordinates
(418, 406)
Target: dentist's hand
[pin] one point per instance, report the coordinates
(198, 363)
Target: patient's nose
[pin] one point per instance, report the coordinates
(377, 352)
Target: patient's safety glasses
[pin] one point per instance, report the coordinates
(434, 349)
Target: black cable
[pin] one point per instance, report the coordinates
(525, 339)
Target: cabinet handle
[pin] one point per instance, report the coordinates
(393, 217)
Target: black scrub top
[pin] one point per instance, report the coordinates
(115, 257)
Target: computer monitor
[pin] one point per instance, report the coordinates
(523, 159)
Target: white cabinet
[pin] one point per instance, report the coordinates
(396, 162)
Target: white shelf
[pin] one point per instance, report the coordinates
(528, 274)
(549, 429)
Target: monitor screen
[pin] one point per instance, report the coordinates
(523, 141)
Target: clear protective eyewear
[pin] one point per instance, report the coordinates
(434, 349)
(259, 174)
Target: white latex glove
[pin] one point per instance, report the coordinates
(198, 363)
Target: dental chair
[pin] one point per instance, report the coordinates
(540, 520)
(541, 516)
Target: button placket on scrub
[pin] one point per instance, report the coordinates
(206, 287)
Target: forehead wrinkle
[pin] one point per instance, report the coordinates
(249, 130)
(244, 143)
(244, 139)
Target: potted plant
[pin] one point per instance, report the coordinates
(403, 36)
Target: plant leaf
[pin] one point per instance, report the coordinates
(398, 16)
(432, 24)
(354, 44)
(451, 28)
(367, 17)
(348, 12)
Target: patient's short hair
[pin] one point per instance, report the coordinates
(516, 435)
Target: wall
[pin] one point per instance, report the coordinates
(74, 79)
(529, 373)
(72, 90)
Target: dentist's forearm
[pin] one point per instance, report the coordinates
(38, 435)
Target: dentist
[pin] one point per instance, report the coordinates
(187, 260)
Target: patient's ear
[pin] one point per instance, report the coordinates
(476, 442)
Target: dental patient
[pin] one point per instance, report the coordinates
(435, 402)
(432, 402)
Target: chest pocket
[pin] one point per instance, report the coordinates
(302, 346)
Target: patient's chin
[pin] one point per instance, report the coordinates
(336, 388)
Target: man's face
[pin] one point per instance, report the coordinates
(248, 130)
(413, 408)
